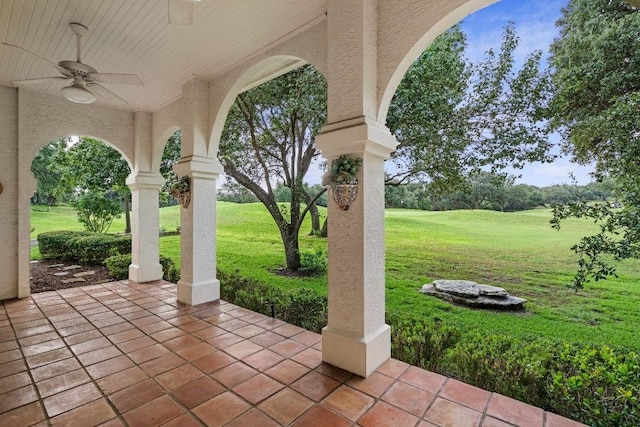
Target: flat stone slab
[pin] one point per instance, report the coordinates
(56, 265)
(492, 291)
(73, 280)
(72, 267)
(463, 292)
(84, 273)
(463, 288)
(61, 273)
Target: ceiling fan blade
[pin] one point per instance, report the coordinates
(106, 94)
(39, 80)
(33, 55)
(180, 12)
(121, 79)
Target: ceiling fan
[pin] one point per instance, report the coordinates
(85, 85)
(181, 11)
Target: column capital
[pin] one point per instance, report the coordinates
(145, 180)
(356, 135)
(199, 167)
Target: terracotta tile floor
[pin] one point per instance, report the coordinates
(128, 354)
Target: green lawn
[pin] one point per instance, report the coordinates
(516, 250)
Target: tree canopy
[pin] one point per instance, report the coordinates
(596, 80)
(453, 118)
(92, 166)
(269, 138)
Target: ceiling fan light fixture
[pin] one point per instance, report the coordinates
(78, 94)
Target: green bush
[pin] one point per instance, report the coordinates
(313, 263)
(305, 308)
(96, 212)
(55, 244)
(599, 386)
(422, 342)
(170, 271)
(302, 307)
(118, 266)
(95, 248)
(504, 364)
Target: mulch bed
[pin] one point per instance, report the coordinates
(44, 277)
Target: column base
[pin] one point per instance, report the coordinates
(359, 355)
(198, 293)
(145, 273)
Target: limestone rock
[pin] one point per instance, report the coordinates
(471, 294)
(463, 288)
(492, 291)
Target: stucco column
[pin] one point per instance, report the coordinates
(145, 224)
(356, 337)
(198, 283)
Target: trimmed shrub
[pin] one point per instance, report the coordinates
(118, 266)
(422, 342)
(305, 308)
(170, 271)
(95, 248)
(599, 386)
(511, 366)
(302, 307)
(55, 244)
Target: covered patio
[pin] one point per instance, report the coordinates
(124, 353)
(146, 352)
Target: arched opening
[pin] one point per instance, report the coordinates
(80, 187)
(268, 148)
(170, 226)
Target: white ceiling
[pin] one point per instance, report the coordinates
(133, 36)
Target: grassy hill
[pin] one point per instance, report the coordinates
(518, 251)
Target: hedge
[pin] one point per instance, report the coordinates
(91, 248)
(599, 386)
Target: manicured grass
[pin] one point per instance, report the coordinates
(518, 251)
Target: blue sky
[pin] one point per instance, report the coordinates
(535, 25)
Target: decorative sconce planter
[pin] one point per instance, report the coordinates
(181, 191)
(344, 194)
(344, 181)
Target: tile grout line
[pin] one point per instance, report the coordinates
(40, 400)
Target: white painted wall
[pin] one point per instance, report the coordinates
(9, 195)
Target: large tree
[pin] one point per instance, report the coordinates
(596, 79)
(48, 172)
(92, 166)
(269, 140)
(453, 118)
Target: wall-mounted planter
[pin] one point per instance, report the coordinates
(344, 184)
(344, 194)
(184, 198)
(181, 191)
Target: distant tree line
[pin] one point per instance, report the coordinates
(484, 190)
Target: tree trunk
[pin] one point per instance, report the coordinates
(291, 249)
(315, 215)
(127, 215)
(324, 231)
